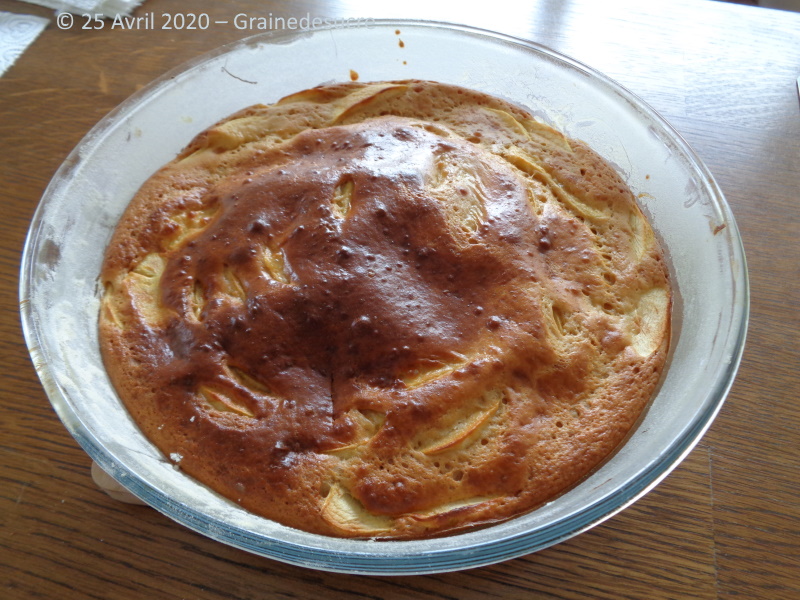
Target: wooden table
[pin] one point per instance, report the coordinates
(725, 523)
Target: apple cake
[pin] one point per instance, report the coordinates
(385, 310)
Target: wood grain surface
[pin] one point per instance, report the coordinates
(724, 524)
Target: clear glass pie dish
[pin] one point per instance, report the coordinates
(60, 292)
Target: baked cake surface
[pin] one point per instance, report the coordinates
(385, 310)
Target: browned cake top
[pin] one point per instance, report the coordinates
(386, 310)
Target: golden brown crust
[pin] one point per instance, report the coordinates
(388, 310)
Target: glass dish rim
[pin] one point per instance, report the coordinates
(435, 561)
